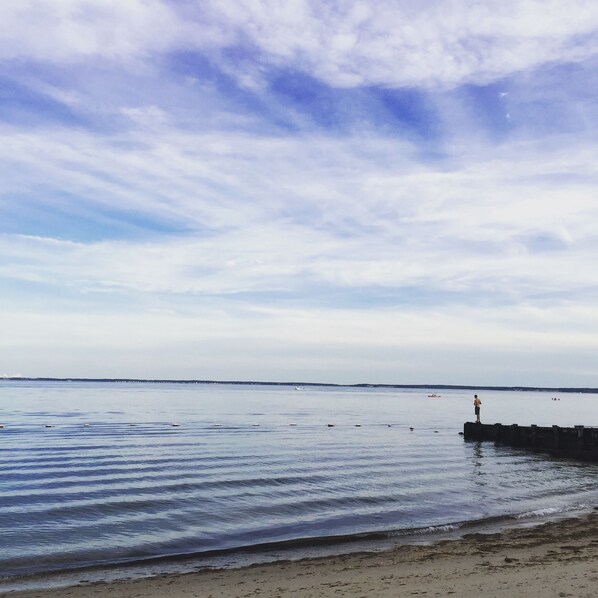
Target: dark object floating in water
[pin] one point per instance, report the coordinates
(411, 429)
(330, 425)
(358, 425)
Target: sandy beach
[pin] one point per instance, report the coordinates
(553, 559)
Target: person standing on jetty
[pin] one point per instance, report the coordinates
(476, 407)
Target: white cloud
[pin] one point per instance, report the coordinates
(282, 214)
(350, 44)
(344, 44)
(258, 248)
(149, 117)
(71, 30)
(482, 346)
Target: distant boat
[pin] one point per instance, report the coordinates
(434, 396)
(299, 388)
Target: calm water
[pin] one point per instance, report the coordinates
(113, 481)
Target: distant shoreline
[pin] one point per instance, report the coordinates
(312, 384)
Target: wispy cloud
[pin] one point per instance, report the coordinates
(361, 183)
(343, 43)
(273, 214)
(398, 44)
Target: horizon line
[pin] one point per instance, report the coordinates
(570, 389)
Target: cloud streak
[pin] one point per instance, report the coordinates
(343, 43)
(311, 211)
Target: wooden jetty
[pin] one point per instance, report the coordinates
(578, 442)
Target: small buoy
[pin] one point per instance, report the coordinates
(388, 425)
(358, 425)
(331, 425)
(461, 434)
(435, 431)
(1, 426)
(410, 429)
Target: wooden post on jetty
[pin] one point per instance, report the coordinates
(579, 437)
(578, 442)
(514, 434)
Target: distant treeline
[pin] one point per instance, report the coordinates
(312, 384)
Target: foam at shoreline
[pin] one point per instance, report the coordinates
(478, 563)
(296, 550)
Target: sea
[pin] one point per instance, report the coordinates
(110, 480)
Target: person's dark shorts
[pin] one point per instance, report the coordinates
(477, 410)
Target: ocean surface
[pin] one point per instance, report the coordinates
(121, 479)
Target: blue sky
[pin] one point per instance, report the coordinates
(382, 192)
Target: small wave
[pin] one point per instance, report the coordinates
(548, 511)
(422, 531)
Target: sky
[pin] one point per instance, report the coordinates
(394, 192)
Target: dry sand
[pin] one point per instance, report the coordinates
(553, 559)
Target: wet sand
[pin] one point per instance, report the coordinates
(554, 559)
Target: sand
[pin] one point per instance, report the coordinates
(553, 559)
